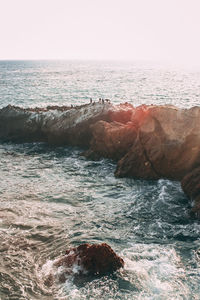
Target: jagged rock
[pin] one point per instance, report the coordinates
(136, 164)
(18, 124)
(64, 126)
(149, 142)
(96, 259)
(111, 140)
(168, 144)
(86, 260)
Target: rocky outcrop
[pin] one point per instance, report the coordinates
(167, 144)
(148, 142)
(154, 142)
(55, 125)
(86, 260)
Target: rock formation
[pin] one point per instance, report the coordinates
(86, 260)
(96, 259)
(167, 144)
(54, 125)
(148, 142)
(154, 142)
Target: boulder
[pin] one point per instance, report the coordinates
(84, 261)
(93, 259)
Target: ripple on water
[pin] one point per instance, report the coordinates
(51, 199)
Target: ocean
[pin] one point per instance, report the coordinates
(52, 198)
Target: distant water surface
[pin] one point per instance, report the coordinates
(53, 198)
(40, 83)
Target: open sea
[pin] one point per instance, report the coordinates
(51, 198)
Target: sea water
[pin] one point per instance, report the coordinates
(52, 198)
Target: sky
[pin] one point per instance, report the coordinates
(155, 30)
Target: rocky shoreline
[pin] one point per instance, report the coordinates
(147, 142)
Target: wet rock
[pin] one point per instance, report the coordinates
(136, 164)
(191, 186)
(96, 259)
(58, 126)
(83, 262)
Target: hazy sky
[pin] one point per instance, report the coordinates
(101, 29)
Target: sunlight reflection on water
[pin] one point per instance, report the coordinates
(53, 198)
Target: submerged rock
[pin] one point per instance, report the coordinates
(85, 260)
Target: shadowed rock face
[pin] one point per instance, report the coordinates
(148, 142)
(155, 142)
(191, 186)
(55, 125)
(111, 140)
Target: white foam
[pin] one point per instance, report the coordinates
(156, 270)
(47, 268)
(50, 269)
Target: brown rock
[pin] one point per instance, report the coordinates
(99, 259)
(136, 164)
(191, 186)
(121, 113)
(96, 259)
(83, 262)
(195, 211)
(191, 183)
(111, 140)
(149, 142)
(168, 141)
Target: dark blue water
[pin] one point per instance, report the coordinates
(53, 198)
